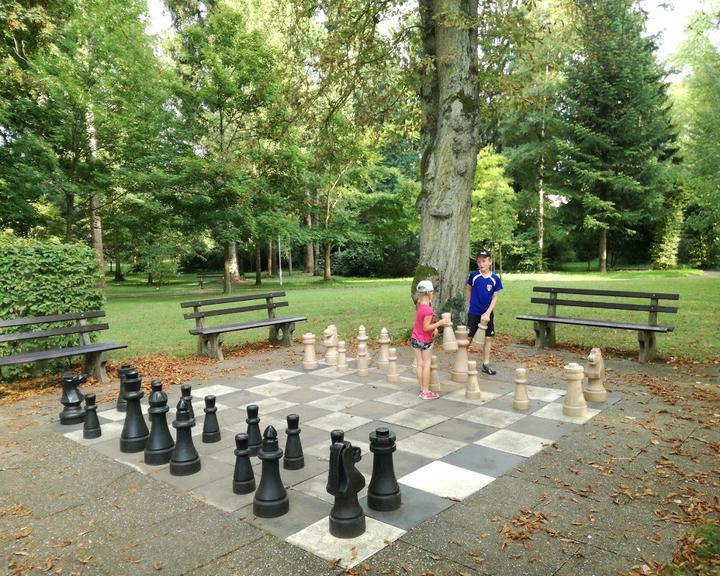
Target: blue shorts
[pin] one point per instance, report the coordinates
(420, 345)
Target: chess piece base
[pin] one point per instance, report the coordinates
(210, 437)
(347, 527)
(158, 457)
(271, 508)
(575, 410)
(244, 487)
(521, 404)
(591, 396)
(309, 365)
(91, 434)
(473, 395)
(72, 416)
(293, 463)
(185, 468)
(384, 502)
(460, 377)
(132, 445)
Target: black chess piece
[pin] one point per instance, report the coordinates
(243, 477)
(121, 404)
(253, 429)
(160, 444)
(347, 518)
(383, 490)
(271, 499)
(211, 428)
(135, 431)
(72, 398)
(185, 459)
(91, 428)
(186, 394)
(336, 436)
(293, 459)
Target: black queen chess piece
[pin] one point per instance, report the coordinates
(211, 428)
(294, 458)
(253, 429)
(121, 404)
(160, 444)
(135, 432)
(185, 459)
(72, 398)
(347, 518)
(383, 491)
(91, 427)
(243, 476)
(271, 499)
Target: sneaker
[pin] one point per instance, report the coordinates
(487, 370)
(430, 395)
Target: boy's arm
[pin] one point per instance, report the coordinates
(467, 295)
(493, 302)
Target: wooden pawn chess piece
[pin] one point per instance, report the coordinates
(479, 339)
(459, 372)
(392, 376)
(472, 387)
(520, 400)
(310, 361)
(362, 360)
(384, 341)
(434, 376)
(449, 343)
(595, 373)
(342, 365)
(574, 404)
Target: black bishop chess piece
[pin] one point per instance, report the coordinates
(243, 476)
(186, 394)
(121, 404)
(271, 499)
(253, 429)
(383, 490)
(160, 444)
(347, 518)
(72, 398)
(185, 459)
(91, 427)
(135, 431)
(293, 459)
(211, 428)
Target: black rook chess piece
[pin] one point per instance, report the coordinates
(383, 490)
(121, 403)
(91, 428)
(253, 429)
(185, 459)
(211, 429)
(271, 499)
(135, 431)
(160, 444)
(243, 477)
(186, 394)
(294, 459)
(72, 398)
(347, 519)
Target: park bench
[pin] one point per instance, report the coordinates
(210, 338)
(93, 352)
(544, 325)
(204, 278)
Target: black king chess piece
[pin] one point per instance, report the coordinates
(293, 459)
(271, 499)
(243, 476)
(160, 444)
(347, 519)
(185, 459)
(121, 404)
(91, 427)
(211, 428)
(72, 398)
(253, 429)
(135, 431)
(383, 490)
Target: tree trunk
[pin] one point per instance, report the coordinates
(290, 270)
(270, 261)
(602, 251)
(69, 216)
(258, 275)
(449, 143)
(230, 271)
(118, 270)
(328, 254)
(309, 250)
(96, 237)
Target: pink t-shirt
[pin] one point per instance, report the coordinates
(418, 333)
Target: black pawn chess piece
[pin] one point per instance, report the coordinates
(271, 499)
(253, 429)
(185, 459)
(121, 403)
(383, 490)
(186, 394)
(293, 459)
(347, 518)
(160, 444)
(211, 428)
(135, 431)
(337, 436)
(91, 428)
(72, 398)
(243, 477)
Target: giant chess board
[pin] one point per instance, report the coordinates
(447, 449)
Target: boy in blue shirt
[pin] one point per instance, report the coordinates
(481, 296)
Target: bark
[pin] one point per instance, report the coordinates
(258, 276)
(309, 250)
(602, 251)
(327, 268)
(449, 142)
(96, 237)
(118, 270)
(270, 260)
(230, 272)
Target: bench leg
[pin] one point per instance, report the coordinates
(646, 340)
(201, 346)
(544, 334)
(286, 330)
(214, 346)
(95, 365)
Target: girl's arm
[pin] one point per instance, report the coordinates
(429, 325)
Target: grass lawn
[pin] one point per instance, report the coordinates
(150, 319)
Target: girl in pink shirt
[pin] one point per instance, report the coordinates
(423, 334)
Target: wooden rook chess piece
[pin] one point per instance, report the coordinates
(243, 476)
(211, 428)
(135, 432)
(330, 340)
(383, 491)
(185, 460)
(449, 343)
(253, 429)
(347, 518)
(160, 444)
(392, 376)
(294, 458)
(362, 360)
(310, 361)
(459, 372)
(434, 376)
(383, 357)
(479, 339)
(271, 499)
(342, 365)
(574, 404)
(121, 403)
(91, 427)
(186, 394)
(595, 372)
(472, 387)
(72, 398)
(520, 400)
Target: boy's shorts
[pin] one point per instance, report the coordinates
(474, 322)
(420, 345)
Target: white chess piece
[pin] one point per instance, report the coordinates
(449, 343)
(362, 360)
(472, 388)
(310, 361)
(520, 400)
(479, 339)
(459, 372)
(595, 373)
(434, 376)
(330, 340)
(384, 342)
(393, 376)
(574, 404)
(342, 365)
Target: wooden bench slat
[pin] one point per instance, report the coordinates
(59, 353)
(606, 305)
(278, 294)
(28, 320)
(617, 293)
(596, 323)
(247, 325)
(18, 336)
(208, 313)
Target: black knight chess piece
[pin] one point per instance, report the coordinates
(347, 519)
(72, 398)
(186, 394)
(243, 476)
(294, 459)
(160, 444)
(211, 428)
(121, 404)
(185, 459)
(271, 499)
(135, 431)
(253, 429)
(91, 427)
(383, 490)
